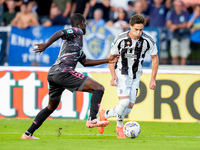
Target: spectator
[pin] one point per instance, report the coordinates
(135, 8)
(24, 18)
(156, 17)
(80, 6)
(194, 25)
(1, 8)
(8, 16)
(115, 6)
(43, 10)
(121, 22)
(190, 4)
(156, 13)
(104, 5)
(32, 6)
(56, 18)
(18, 4)
(64, 6)
(177, 24)
(98, 18)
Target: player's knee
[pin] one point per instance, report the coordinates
(130, 105)
(53, 104)
(51, 108)
(100, 87)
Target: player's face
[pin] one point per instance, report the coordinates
(136, 31)
(83, 27)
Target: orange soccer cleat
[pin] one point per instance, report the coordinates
(102, 118)
(120, 133)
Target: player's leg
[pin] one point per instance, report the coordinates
(97, 91)
(40, 118)
(133, 93)
(54, 99)
(112, 112)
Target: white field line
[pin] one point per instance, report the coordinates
(170, 136)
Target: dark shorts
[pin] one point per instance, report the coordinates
(72, 81)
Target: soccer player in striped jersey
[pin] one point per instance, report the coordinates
(132, 46)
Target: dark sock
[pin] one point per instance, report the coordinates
(40, 118)
(95, 103)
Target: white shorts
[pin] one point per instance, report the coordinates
(127, 86)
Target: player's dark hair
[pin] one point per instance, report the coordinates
(137, 19)
(76, 19)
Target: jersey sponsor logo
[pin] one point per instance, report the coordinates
(70, 31)
(130, 56)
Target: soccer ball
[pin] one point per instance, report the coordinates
(132, 129)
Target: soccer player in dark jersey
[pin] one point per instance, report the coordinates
(62, 74)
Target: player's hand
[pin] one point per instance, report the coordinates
(38, 48)
(113, 58)
(113, 81)
(152, 84)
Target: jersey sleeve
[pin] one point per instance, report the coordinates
(153, 49)
(71, 33)
(115, 46)
(114, 49)
(152, 44)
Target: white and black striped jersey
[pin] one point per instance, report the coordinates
(132, 52)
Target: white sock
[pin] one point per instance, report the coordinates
(110, 113)
(120, 110)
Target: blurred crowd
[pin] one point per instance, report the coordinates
(180, 19)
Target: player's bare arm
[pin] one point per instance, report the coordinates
(38, 48)
(113, 74)
(91, 62)
(155, 63)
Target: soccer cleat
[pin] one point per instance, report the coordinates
(24, 136)
(102, 118)
(120, 133)
(96, 123)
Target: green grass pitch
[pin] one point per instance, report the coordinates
(72, 134)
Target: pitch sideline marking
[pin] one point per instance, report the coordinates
(170, 136)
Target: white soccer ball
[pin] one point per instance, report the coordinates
(132, 129)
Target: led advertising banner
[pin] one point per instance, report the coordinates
(24, 92)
